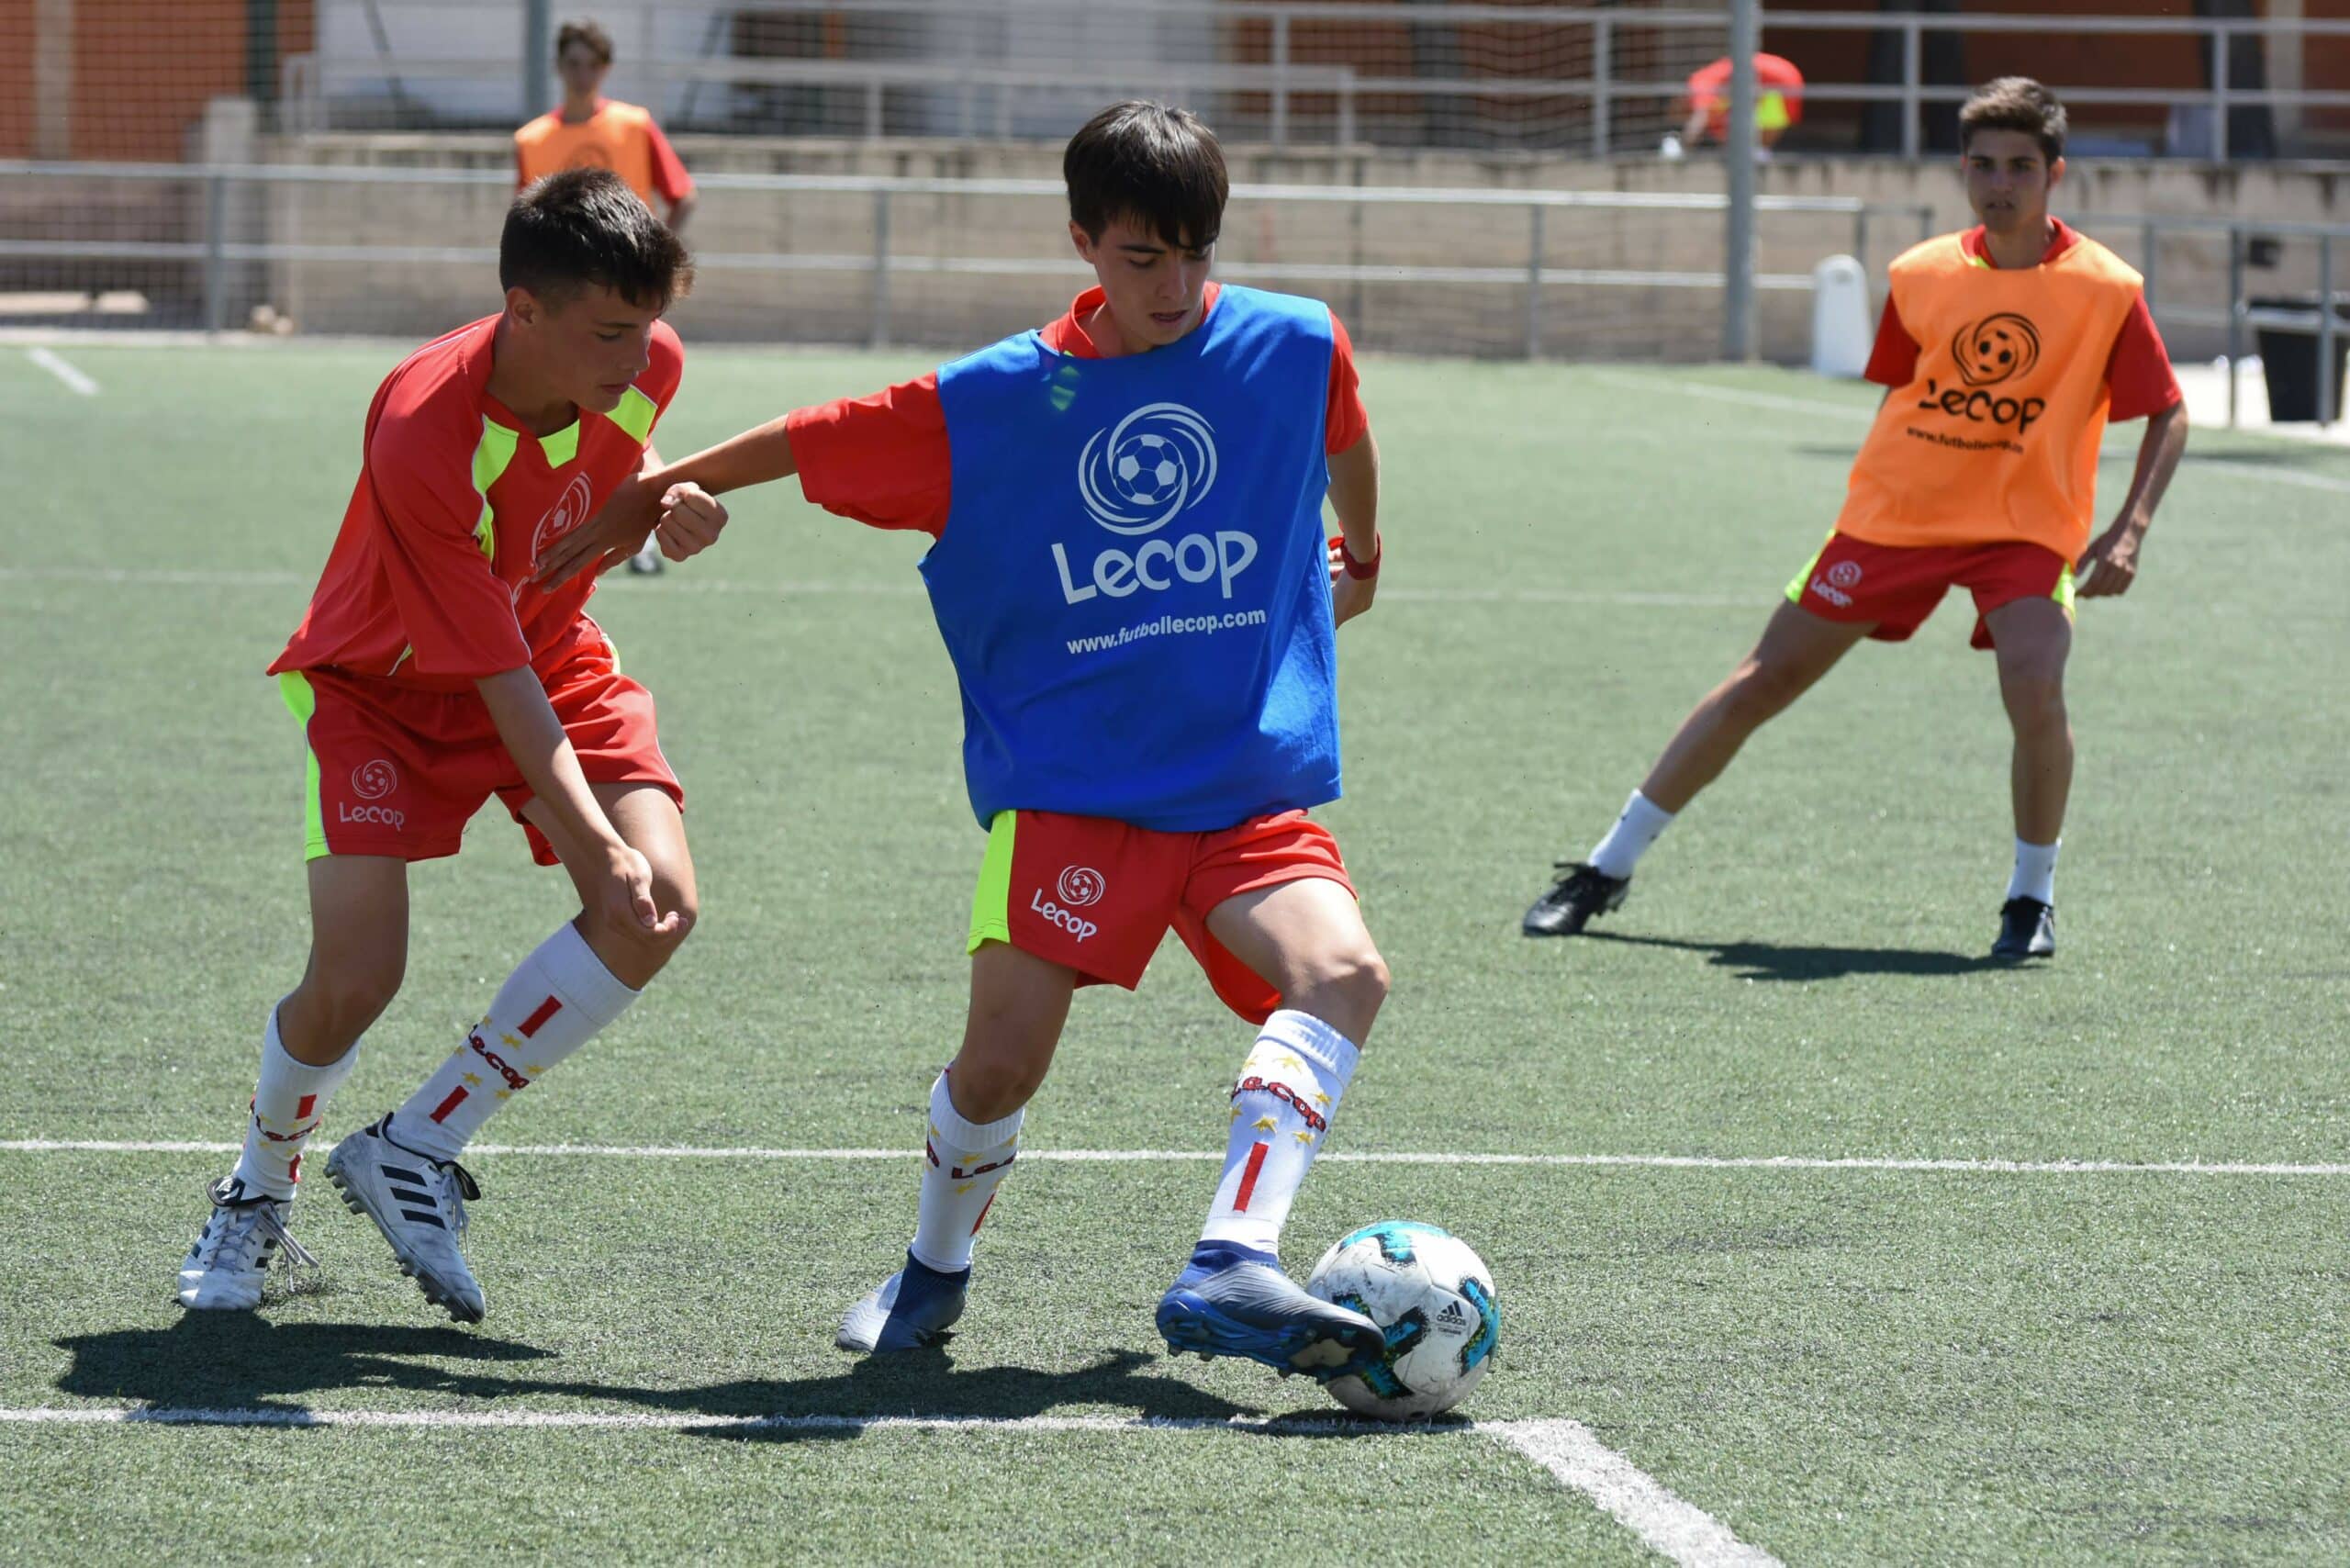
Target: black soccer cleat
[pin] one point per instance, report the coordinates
(2027, 930)
(1580, 892)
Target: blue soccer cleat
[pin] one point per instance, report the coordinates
(912, 1308)
(1233, 1301)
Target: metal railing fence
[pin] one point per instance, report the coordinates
(217, 249)
(1283, 78)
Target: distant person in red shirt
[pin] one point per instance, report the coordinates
(431, 673)
(1778, 101)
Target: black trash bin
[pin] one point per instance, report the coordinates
(2288, 359)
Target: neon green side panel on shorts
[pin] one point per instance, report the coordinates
(992, 903)
(2064, 594)
(490, 458)
(301, 702)
(1803, 578)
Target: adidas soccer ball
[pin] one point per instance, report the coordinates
(1433, 1296)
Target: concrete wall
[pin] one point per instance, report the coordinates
(773, 300)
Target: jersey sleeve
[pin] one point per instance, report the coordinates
(2138, 376)
(1348, 421)
(669, 176)
(881, 460)
(1894, 361)
(458, 616)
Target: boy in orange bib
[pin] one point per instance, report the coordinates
(2004, 352)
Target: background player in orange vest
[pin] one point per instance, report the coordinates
(2004, 350)
(596, 131)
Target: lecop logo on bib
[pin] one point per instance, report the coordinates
(1136, 477)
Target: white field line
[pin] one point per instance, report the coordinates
(688, 582)
(57, 364)
(1682, 1531)
(1678, 386)
(1343, 1157)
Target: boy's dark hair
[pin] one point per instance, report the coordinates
(2015, 103)
(588, 33)
(1155, 165)
(584, 227)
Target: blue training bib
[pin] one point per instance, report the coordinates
(1131, 581)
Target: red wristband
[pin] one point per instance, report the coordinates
(1360, 570)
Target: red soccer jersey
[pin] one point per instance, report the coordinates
(883, 459)
(429, 583)
(2138, 376)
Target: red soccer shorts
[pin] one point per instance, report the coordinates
(399, 772)
(1097, 895)
(1898, 586)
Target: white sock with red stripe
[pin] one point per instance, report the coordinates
(288, 1102)
(554, 1003)
(963, 1164)
(1289, 1090)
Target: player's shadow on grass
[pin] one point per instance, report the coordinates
(1777, 961)
(924, 1384)
(236, 1360)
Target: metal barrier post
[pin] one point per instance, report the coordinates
(2236, 318)
(873, 109)
(2327, 392)
(1280, 78)
(1737, 239)
(2146, 265)
(537, 55)
(1602, 82)
(1913, 69)
(1346, 110)
(1861, 240)
(880, 336)
(216, 264)
(2219, 36)
(1534, 280)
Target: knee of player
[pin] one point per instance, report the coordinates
(352, 995)
(1351, 981)
(2034, 696)
(1757, 690)
(992, 1089)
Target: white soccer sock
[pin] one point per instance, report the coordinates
(1634, 831)
(2035, 872)
(1288, 1091)
(552, 1004)
(289, 1101)
(963, 1164)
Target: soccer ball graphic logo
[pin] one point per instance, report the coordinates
(1135, 476)
(1432, 1296)
(1996, 349)
(1145, 470)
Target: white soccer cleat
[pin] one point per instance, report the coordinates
(228, 1265)
(419, 1205)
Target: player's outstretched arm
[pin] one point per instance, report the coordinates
(2111, 564)
(617, 885)
(661, 496)
(1354, 497)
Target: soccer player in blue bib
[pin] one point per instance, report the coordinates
(1130, 576)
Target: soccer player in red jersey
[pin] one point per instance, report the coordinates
(1130, 571)
(432, 672)
(2004, 352)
